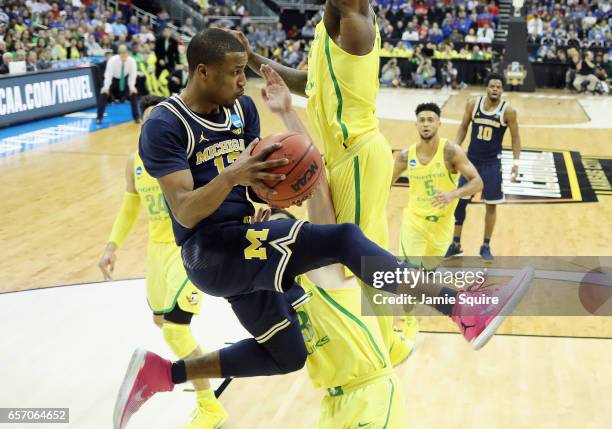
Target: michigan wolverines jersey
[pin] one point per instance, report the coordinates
(341, 90)
(333, 330)
(426, 181)
(152, 199)
(488, 129)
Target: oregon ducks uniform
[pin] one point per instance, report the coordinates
(341, 90)
(347, 357)
(427, 230)
(167, 283)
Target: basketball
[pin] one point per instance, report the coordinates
(302, 173)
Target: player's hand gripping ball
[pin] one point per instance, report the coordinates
(302, 174)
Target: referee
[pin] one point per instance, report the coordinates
(119, 83)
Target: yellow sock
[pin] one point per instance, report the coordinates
(206, 395)
(179, 339)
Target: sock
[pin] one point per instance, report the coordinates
(457, 240)
(446, 309)
(206, 395)
(179, 339)
(460, 211)
(179, 372)
(486, 242)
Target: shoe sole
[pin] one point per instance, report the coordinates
(136, 364)
(524, 278)
(453, 255)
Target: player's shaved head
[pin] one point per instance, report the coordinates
(210, 47)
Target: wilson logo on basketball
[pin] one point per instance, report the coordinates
(309, 174)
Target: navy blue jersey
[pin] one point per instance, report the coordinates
(488, 129)
(175, 138)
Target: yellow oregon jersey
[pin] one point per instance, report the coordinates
(152, 199)
(426, 181)
(333, 331)
(341, 90)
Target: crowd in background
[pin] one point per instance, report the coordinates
(45, 34)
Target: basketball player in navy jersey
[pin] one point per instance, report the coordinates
(490, 117)
(196, 145)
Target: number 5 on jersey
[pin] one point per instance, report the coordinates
(255, 249)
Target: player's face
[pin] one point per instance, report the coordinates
(427, 124)
(494, 89)
(227, 80)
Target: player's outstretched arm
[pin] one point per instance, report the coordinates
(295, 79)
(278, 99)
(124, 222)
(190, 206)
(465, 122)
(460, 163)
(512, 121)
(357, 32)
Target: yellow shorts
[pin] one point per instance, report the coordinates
(167, 283)
(376, 405)
(360, 183)
(421, 237)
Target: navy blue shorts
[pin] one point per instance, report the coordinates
(491, 174)
(246, 265)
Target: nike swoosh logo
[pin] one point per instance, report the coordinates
(360, 425)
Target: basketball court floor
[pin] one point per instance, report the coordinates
(67, 336)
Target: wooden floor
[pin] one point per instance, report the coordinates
(60, 201)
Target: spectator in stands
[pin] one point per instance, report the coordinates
(188, 27)
(390, 75)
(32, 61)
(456, 36)
(166, 50)
(435, 34)
(585, 74)
(485, 34)
(44, 63)
(535, 25)
(278, 35)
(145, 34)
(119, 83)
(477, 54)
(7, 57)
(471, 36)
(92, 48)
(410, 33)
(20, 55)
(449, 75)
(548, 39)
(133, 27)
(308, 30)
(425, 76)
(178, 79)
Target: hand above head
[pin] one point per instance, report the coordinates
(275, 94)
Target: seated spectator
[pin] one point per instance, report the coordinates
(410, 33)
(477, 54)
(7, 57)
(402, 51)
(32, 61)
(456, 36)
(548, 39)
(386, 50)
(145, 34)
(471, 36)
(424, 31)
(585, 74)
(308, 30)
(425, 76)
(188, 27)
(133, 27)
(44, 63)
(485, 34)
(449, 75)
(390, 75)
(278, 35)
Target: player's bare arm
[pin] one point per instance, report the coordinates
(295, 79)
(465, 122)
(108, 258)
(353, 22)
(400, 165)
(457, 160)
(512, 121)
(277, 97)
(190, 206)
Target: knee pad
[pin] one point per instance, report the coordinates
(460, 211)
(179, 339)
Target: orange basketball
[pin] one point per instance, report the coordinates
(302, 173)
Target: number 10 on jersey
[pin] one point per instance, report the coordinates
(485, 133)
